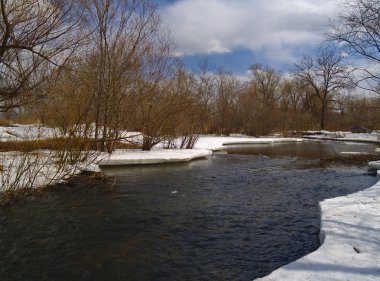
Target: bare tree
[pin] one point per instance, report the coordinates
(158, 115)
(291, 95)
(36, 38)
(127, 59)
(325, 75)
(204, 82)
(187, 118)
(227, 87)
(358, 29)
(266, 81)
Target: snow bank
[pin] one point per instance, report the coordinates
(37, 169)
(136, 157)
(374, 164)
(203, 147)
(350, 233)
(220, 143)
(355, 153)
(41, 169)
(26, 132)
(31, 170)
(345, 136)
(19, 132)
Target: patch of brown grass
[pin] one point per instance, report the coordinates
(26, 119)
(31, 145)
(123, 145)
(56, 144)
(5, 123)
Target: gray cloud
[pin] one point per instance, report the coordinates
(220, 26)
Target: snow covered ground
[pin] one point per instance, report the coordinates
(133, 157)
(203, 148)
(374, 164)
(350, 233)
(18, 132)
(219, 143)
(346, 136)
(31, 170)
(26, 132)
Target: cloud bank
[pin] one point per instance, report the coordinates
(222, 26)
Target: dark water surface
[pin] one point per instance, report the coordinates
(234, 216)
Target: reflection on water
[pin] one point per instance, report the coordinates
(237, 216)
(307, 150)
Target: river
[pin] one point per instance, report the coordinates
(236, 216)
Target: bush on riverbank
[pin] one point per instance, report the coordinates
(58, 144)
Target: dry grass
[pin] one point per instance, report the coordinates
(56, 144)
(8, 198)
(5, 122)
(24, 120)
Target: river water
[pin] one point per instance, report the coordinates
(235, 216)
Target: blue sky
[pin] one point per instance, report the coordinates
(235, 34)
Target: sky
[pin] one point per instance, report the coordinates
(235, 34)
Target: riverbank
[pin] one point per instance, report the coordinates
(204, 147)
(17, 169)
(216, 143)
(139, 157)
(343, 136)
(350, 249)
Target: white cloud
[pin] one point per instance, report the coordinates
(220, 26)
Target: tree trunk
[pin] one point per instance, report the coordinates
(323, 115)
(147, 144)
